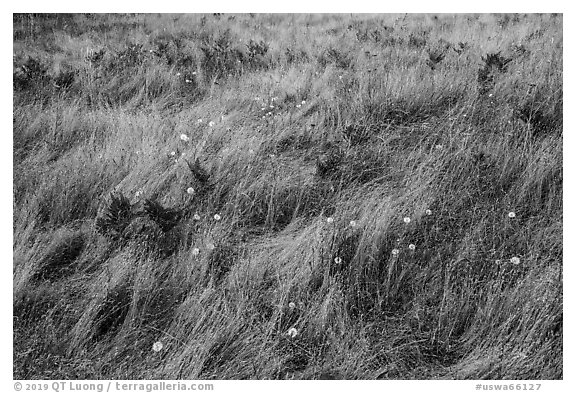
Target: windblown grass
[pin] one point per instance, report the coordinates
(452, 122)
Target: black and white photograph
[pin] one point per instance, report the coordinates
(287, 196)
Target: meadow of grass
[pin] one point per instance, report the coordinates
(213, 182)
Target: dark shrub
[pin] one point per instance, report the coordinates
(115, 216)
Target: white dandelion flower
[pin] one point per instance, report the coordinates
(190, 191)
(512, 215)
(337, 260)
(515, 260)
(210, 246)
(291, 305)
(428, 212)
(439, 147)
(196, 217)
(195, 251)
(157, 347)
(298, 106)
(407, 220)
(184, 137)
(193, 72)
(292, 332)
(217, 217)
(188, 81)
(353, 224)
(211, 124)
(199, 120)
(395, 251)
(173, 153)
(329, 220)
(412, 247)
(303, 102)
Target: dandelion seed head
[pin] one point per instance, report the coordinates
(292, 332)
(439, 147)
(303, 102)
(199, 120)
(173, 153)
(196, 217)
(188, 81)
(298, 106)
(195, 251)
(512, 215)
(291, 305)
(210, 246)
(407, 220)
(217, 217)
(337, 260)
(184, 137)
(211, 124)
(329, 220)
(412, 247)
(193, 72)
(190, 191)
(157, 347)
(395, 251)
(515, 260)
(353, 224)
(428, 212)
(177, 74)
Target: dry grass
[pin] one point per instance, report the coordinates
(359, 118)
